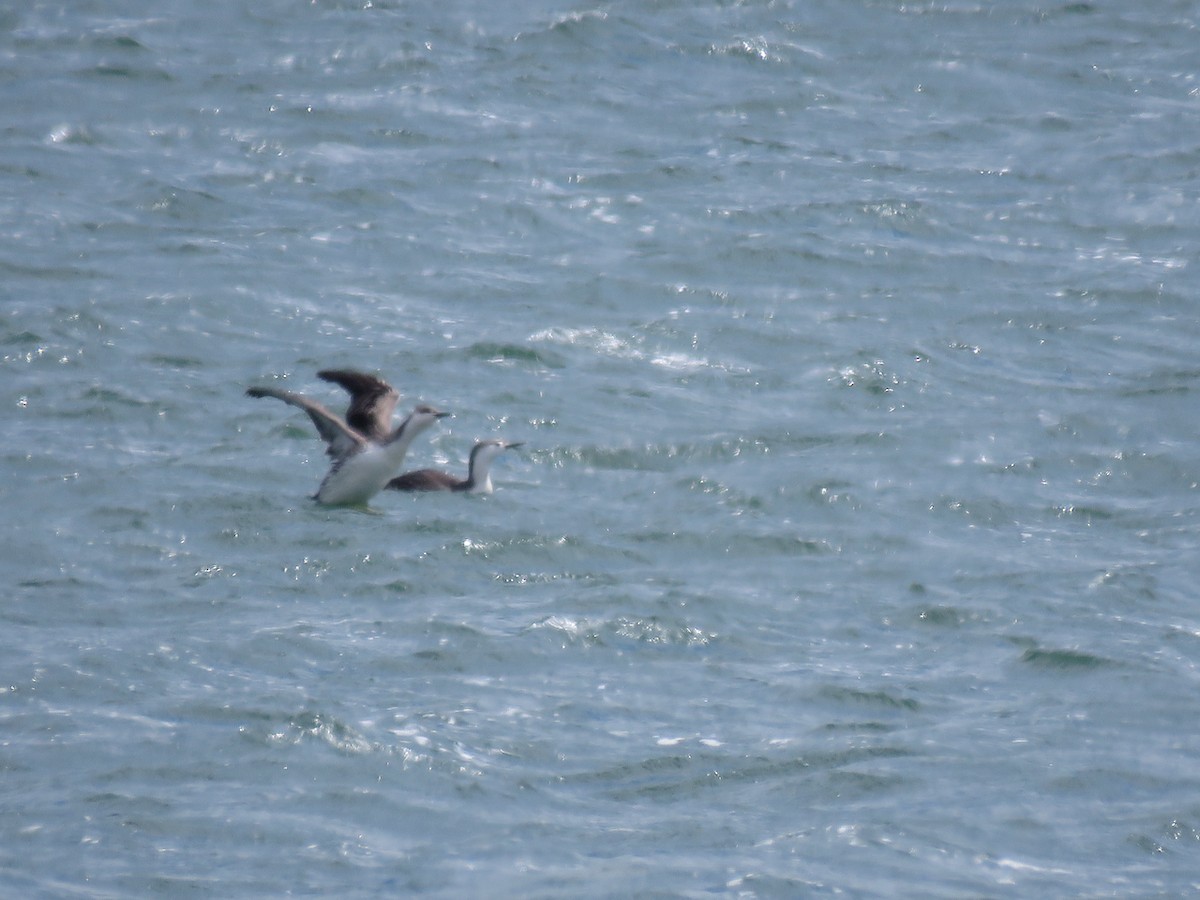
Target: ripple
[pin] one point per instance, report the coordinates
(1065, 660)
(665, 456)
(607, 344)
(515, 354)
(619, 630)
(878, 699)
(325, 729)
(689, 774)
(942, 616)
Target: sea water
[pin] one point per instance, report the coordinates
(853, 547)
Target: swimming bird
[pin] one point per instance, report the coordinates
(478, 480)
(362, 463)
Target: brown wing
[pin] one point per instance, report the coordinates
(341, 438)
(372, 401)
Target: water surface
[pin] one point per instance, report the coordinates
(852, 548)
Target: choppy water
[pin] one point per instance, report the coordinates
(853, 549)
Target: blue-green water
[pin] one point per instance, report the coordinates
(853, 548)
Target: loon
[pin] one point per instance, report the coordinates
(364, 457)
(478, 480)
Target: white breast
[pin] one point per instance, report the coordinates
(357, 478)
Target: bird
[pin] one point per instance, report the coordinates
(367, 456)
(478, 480)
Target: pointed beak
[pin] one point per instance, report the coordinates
(512, 445)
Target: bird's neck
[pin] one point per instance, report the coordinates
(479, 478)
(398, 442)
